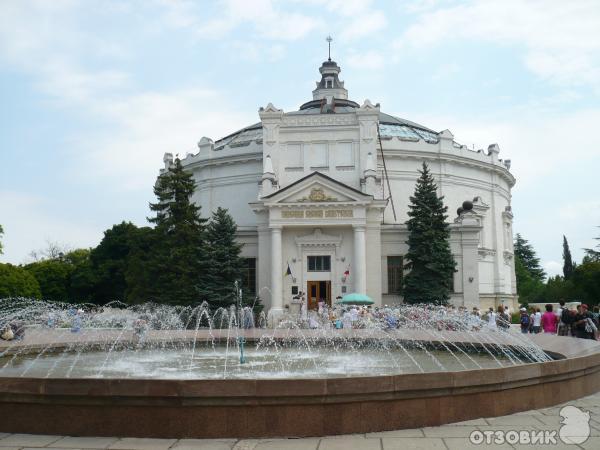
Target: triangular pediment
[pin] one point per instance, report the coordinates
(317, 188)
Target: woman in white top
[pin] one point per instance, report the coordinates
(536, 321)
(491, 317)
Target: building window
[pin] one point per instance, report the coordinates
(249, 276)
(395, 272)
(319, 263)
(318, 156)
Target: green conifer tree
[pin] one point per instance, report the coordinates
(526, 254)
(429, 257)
(225, 268)
(568, 265)
(528, 287)
(177, 261)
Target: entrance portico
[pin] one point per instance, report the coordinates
(318, 228)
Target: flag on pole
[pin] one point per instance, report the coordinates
(347, 272)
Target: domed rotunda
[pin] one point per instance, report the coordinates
(321, 195)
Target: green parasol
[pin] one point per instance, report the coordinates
(356, 299)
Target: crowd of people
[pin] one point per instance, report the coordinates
(437, 317)
(579, 322)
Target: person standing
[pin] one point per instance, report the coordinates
(524, 320)
(303, 308)
(536, 321)
(583, 326)
(491, 319)
(503, 319)
(354, 316)
(563, 316)
(549, 320)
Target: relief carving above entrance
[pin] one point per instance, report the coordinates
(317, 194)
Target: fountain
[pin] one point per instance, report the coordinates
(167, 371)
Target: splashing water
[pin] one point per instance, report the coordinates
(176, 342)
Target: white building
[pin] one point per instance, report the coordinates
(325, 190)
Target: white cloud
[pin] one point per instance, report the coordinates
(144, 124)
(561, 39)
(257, 52)
(369, 60)
(348, 8)
(445, 71)
(364, 25)
(539, 144)
(267, 17)
(553, 268)
(576, 210)
(148, 125)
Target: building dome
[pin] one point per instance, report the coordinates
(325, 189)
(330, 97)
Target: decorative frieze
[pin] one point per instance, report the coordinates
(315, 120)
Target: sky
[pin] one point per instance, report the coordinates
(93, 93)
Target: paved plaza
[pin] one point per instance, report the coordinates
(447, 437)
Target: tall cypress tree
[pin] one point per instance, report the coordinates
(568, 266)
(223, 252)
(429, 257)
(177, 259)
(526, 254)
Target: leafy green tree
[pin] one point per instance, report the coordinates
(109, 262)
(223, 254)
(557, 288)
(178, 261)
(429, 257)
(568, 265)
(17, 282)
(1, 233)
(56, 276)
(53, 278)
(586, 282)
(140, 270)
(525, 253)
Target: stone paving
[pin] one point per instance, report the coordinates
(447, 437)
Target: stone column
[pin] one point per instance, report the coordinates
(360, 266)
(469, 231)
(276, 270)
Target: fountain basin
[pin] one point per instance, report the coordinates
(295, 407)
